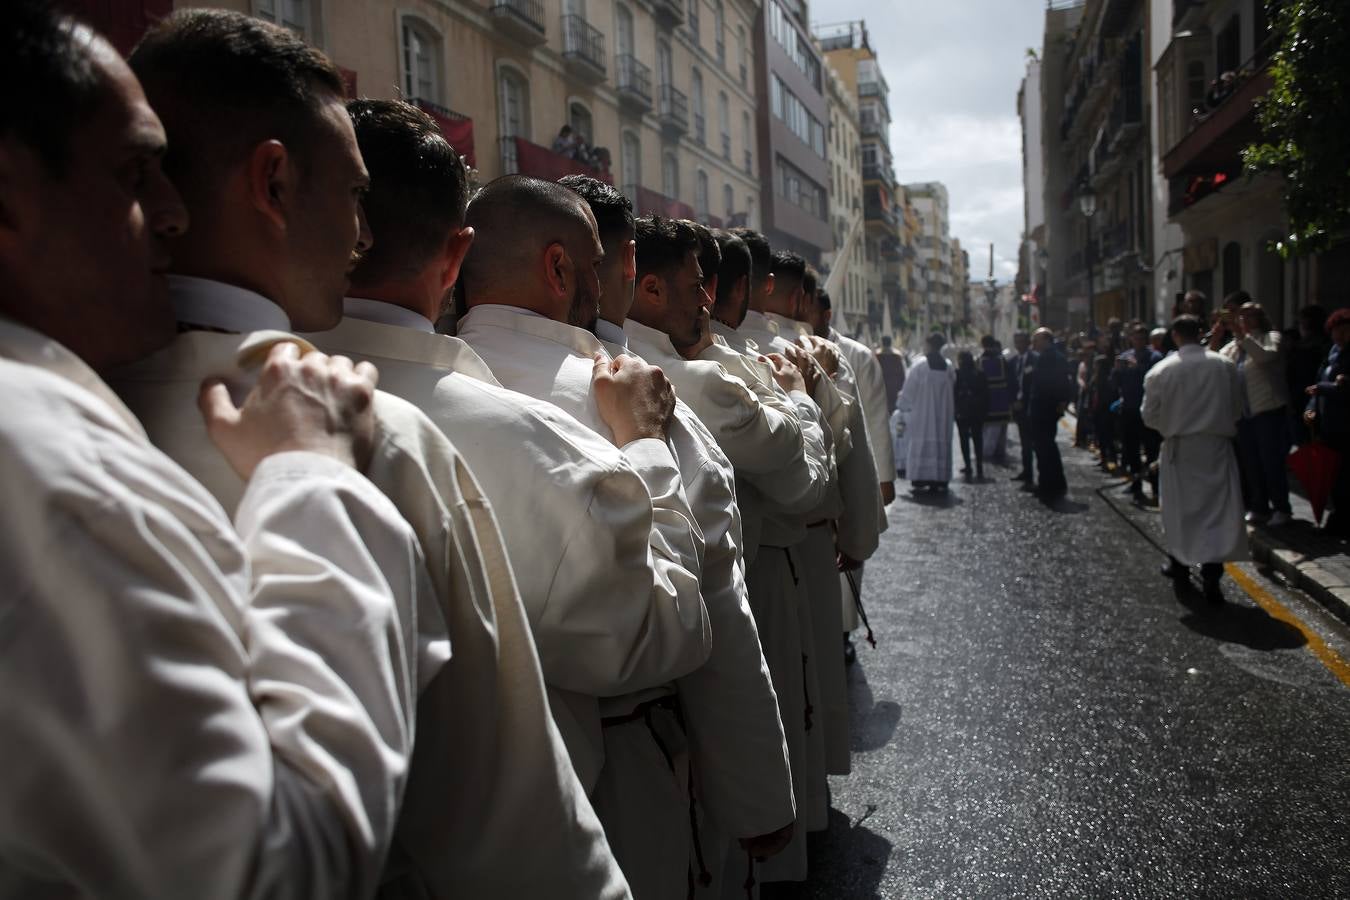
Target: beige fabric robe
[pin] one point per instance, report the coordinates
(642, 795)
(193, 707)
(465, 786)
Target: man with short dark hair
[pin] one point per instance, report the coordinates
(282, 195)
(731, 298)
(995, 427)
(1193, 398)
(1049, 385)
(583, 558)
(1019, 368)
(193, 706)
(1127, 376)
(532, 288)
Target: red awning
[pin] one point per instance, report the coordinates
(652, 203)
(541, 162)
(456, 129)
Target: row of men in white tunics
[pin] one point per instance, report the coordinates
(544, 600)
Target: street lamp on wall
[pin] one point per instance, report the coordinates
(1087, 205)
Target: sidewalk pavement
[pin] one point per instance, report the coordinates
(1314, 562)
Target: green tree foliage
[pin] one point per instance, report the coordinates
(1305, 120)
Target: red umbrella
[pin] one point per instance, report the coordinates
(1315, 466)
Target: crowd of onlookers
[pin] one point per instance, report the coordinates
(1292, 389)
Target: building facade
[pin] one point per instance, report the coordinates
(843, 259)
(664, 91)
(881, 254)
(942, 306)
(1032, 256)
(794, 173)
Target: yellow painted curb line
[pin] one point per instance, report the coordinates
(1328, 657)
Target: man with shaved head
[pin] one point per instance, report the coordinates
(528, 317)
(193, 706)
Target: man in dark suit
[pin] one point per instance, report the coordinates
(1049, 388)
(1020, 370)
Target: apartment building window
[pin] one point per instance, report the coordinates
(623, 30)
(741, 58)
(513, 111)
(422, 54)
(1228, 46)
(670, 175)
(791, 40)
(701, 195)
(787, 107)
(719, 31)
(630, 163)
(579, 117)
(692, 19)
(797, 188)
(696, 105)
(728, 201)
(724, 123)
(300, 16)
(747, 139)
(664, 66)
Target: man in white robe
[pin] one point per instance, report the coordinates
(280, 204)
(193, 706)
(928, 403)
(744, 766)
(869, 394)
(531, 286)
(1193, 398)
(579, 544)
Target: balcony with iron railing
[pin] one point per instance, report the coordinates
(749, 161)
(673, 111)
(726, 146)
(1127, 116)
(649, 202)
(668, 12)
(522, 157)
(521, 19)
(633, 78)
(700, 129)
(583, 49)
(872, 128)
(1227, 122)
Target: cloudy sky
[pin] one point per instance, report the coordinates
(954, 67)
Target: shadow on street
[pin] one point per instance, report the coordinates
(1235, 623)
(872, 724)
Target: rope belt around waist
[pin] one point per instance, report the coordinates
(792, 569)
(818, 524)
(669, 702)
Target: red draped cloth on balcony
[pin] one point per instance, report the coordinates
(541, 162)
(456, 129)
(650, 202)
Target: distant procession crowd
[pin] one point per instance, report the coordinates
(371, 535)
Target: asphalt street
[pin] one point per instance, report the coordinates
(1045, 716)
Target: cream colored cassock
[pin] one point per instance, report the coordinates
(785, 470)
(573, 508)
(1194, 400)
(855, 533)
(193, 707)
(871, 399)
(790, 538)
(740, 750)
(491, 779)
(642, 795)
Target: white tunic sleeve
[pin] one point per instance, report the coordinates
(175, 725)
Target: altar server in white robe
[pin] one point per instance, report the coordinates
(1194, 399)
(573, 510)
(870, 395)
(928, 404)
(192, 706)
(278, 215)
(740, 759)
(852, 534)
(532, 298)
(759, 333)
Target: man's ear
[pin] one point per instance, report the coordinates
(768, 284)
(453, 253)
(271, 182)
(630, 261)
(557, 270)
(651, 289)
